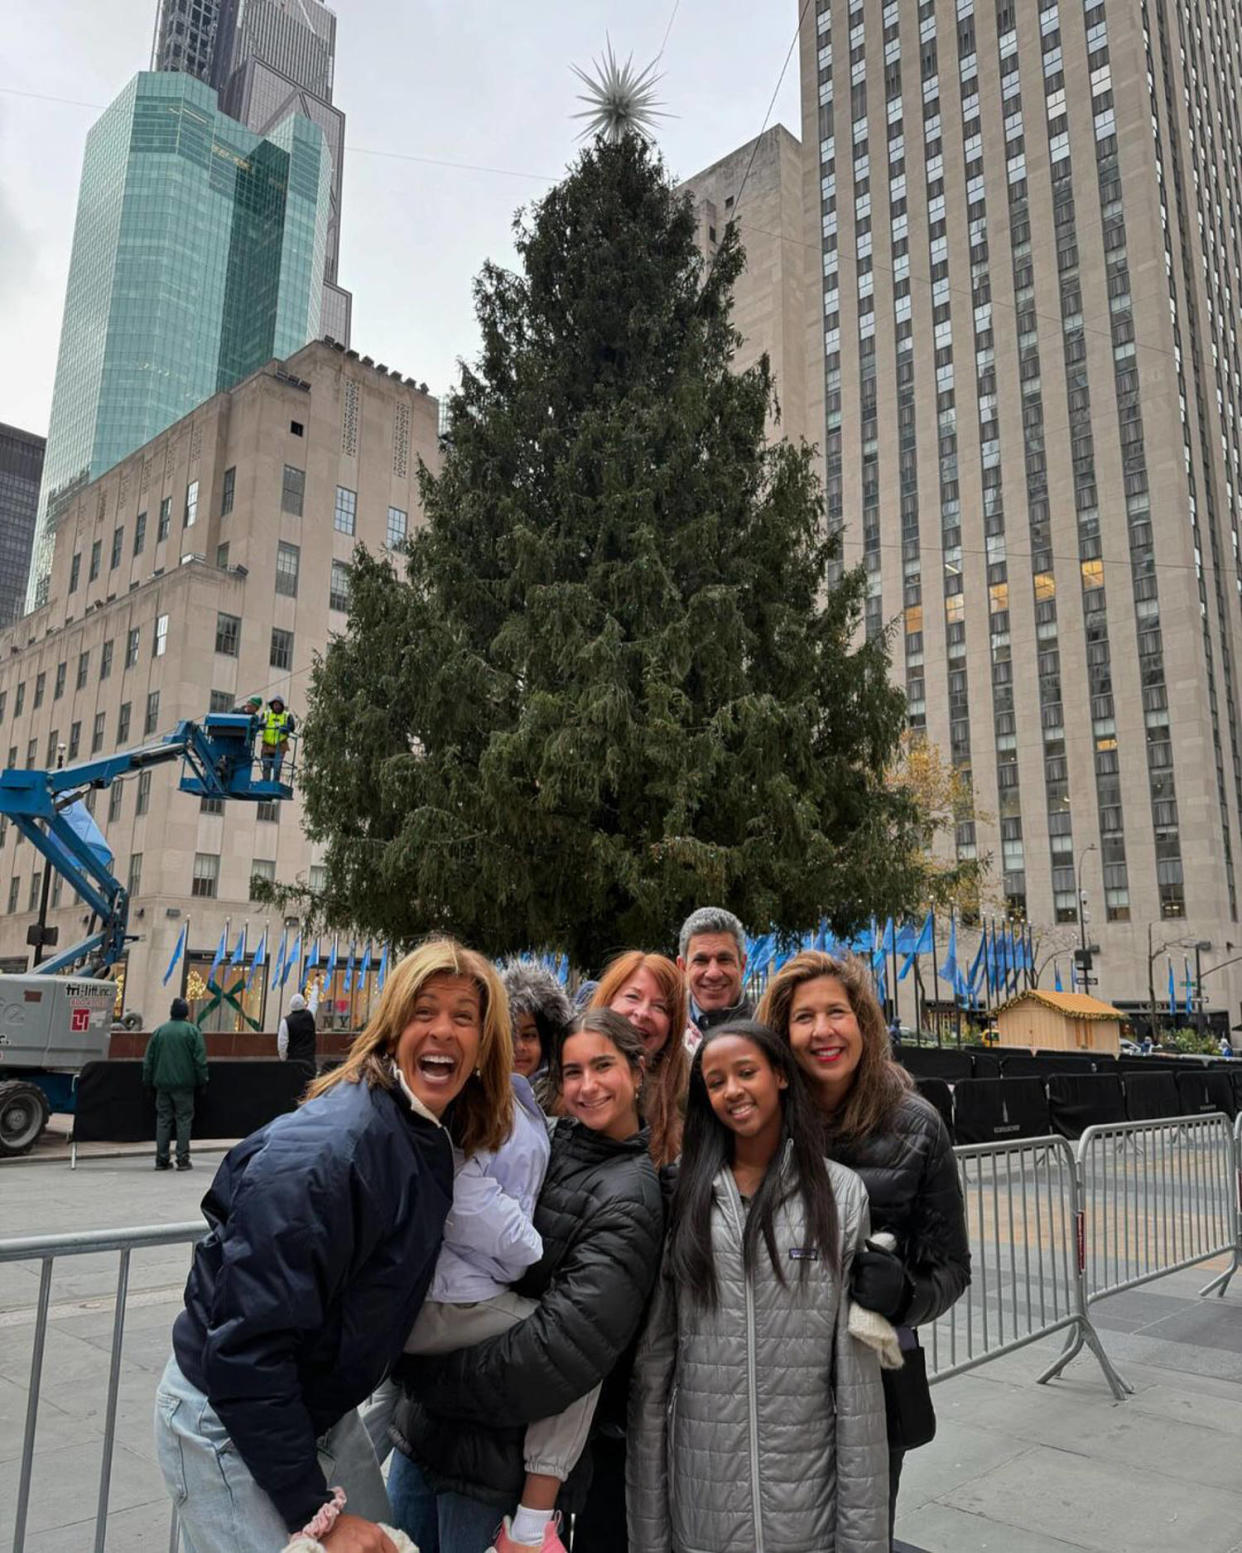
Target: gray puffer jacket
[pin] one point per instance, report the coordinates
(760, 1425)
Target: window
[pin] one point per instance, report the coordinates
(115, 794)
(122, 721)
(190, 517)
(140, 533)
(96, 551)
(15, 885)
(222, 557)
(268, 811)
(227, 491)
(296, 428)
(345, 516)
(75, 571)
(58, 687)
(12, 765)
(159, 645)
(36, 883)
(4, 696)
(292, 490)
(40, 687)
(19, 700)
(262, 869)
(206, 875)
(131, 646)
(143, 802)
(153, 713)
(165, 522)
(118, 544)
(53, 739)
(134, 882)
(211, 806)
(287, 559)
(281, 656)
(58, 887)
(338, 589)
(97, 732)
(84, 666)
(221, 701)
(105, 659)
(318, 878)
(75, 740)
(398, 527)
(228, 634)
(32, 750)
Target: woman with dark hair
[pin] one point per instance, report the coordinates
(826, 1009)
(755, 1418)
(459, 1428)
(323, 1231)
(648, 990)
(541, 1014)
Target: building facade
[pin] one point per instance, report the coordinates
(198, 254)
(769, 300)
(209, 564)
(21, 471)
(1027, 383)
(267, 59)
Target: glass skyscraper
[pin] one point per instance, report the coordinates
(21, 468)
(198, 254)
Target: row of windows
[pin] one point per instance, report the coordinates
(73, 748)
(133, 649)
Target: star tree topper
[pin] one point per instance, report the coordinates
(620, 99)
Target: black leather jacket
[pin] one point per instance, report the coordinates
(601, 1217)
(911, 1178)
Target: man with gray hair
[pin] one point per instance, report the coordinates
(711, 955)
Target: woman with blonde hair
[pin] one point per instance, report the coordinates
(324, 1227)
(648, 990)
(825, 1008)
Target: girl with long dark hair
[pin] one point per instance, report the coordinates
(755, 1418)
(825, 1008)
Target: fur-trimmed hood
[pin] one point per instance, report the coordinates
(533, 989)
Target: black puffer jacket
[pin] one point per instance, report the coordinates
(601, 1217)
(912, 1181)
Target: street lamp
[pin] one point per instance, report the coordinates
(1200, 946)
(1083, 958)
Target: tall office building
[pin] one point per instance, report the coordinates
(1028, 381)
(769, 299)
(21, 470)
(198, 254)
(267, 59)
(208, 564)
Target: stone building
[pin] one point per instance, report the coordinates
(209, 564)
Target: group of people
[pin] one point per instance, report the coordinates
(637, 1264)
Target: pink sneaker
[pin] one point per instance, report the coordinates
(551, 1543)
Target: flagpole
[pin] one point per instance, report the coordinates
(267, 958)
(957, 1003)
(280, 989)
(935, 976)
(185, 962)
(896, 999)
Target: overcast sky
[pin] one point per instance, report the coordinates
(472, 81)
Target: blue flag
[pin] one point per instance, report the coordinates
(278, 964)
(978, 969)
(921, 943)
(178, 951)
(295, 957)
(1060, 988)
(349, 968)
(330, 972)
(1187, 985)
(1172, 992)
(381, 975)
(260, 958)
(365, 968)
(312, 959)
(215, 964)
(239, 954)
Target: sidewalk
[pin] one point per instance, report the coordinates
(1015, 1467)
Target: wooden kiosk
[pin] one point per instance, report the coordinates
(1060, 1021)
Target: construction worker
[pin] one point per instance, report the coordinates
(277, 726)
(252, 706)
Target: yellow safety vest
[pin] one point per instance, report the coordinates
(275, 728)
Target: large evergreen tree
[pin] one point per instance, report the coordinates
(616, 680)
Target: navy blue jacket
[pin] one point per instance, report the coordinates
(325, 1226)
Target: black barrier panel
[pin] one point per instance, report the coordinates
(1236, 1080)
(944, 1062)
(1149, 1096)
(1066, 1062)
(1104, 1062)
(938, 1093)
(241, 1097)
(986, 1064)
(993, 1110)
(1206, 1091)
(1022, 1065)
(1077, 1101)
(1146, 1065)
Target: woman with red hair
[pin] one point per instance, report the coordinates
(648, 990)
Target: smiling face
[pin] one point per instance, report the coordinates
(825, 1036)
(527, 1047)
(439, 1047)
(743, 1088)
(642, 1002)
(598, 1085)
(713, 967)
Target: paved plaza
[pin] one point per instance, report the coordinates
(1015, 1468)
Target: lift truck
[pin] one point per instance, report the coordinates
(58, 1018)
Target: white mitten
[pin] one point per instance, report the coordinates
(873, 1329)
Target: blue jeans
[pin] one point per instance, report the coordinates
(222, 1508)
(438, 1523)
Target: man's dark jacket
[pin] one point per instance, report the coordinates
(325, 1227)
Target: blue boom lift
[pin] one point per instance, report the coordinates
(49, 1030)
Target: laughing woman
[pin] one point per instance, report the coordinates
(324, 1231)
(756, 1420)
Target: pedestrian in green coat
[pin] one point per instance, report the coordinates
(175, 1066)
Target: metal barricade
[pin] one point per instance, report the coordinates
(45, 1249)
(1023, 1212)
(1220, 1283)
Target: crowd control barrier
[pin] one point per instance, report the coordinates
(1220, 1283)
(45, 1249)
